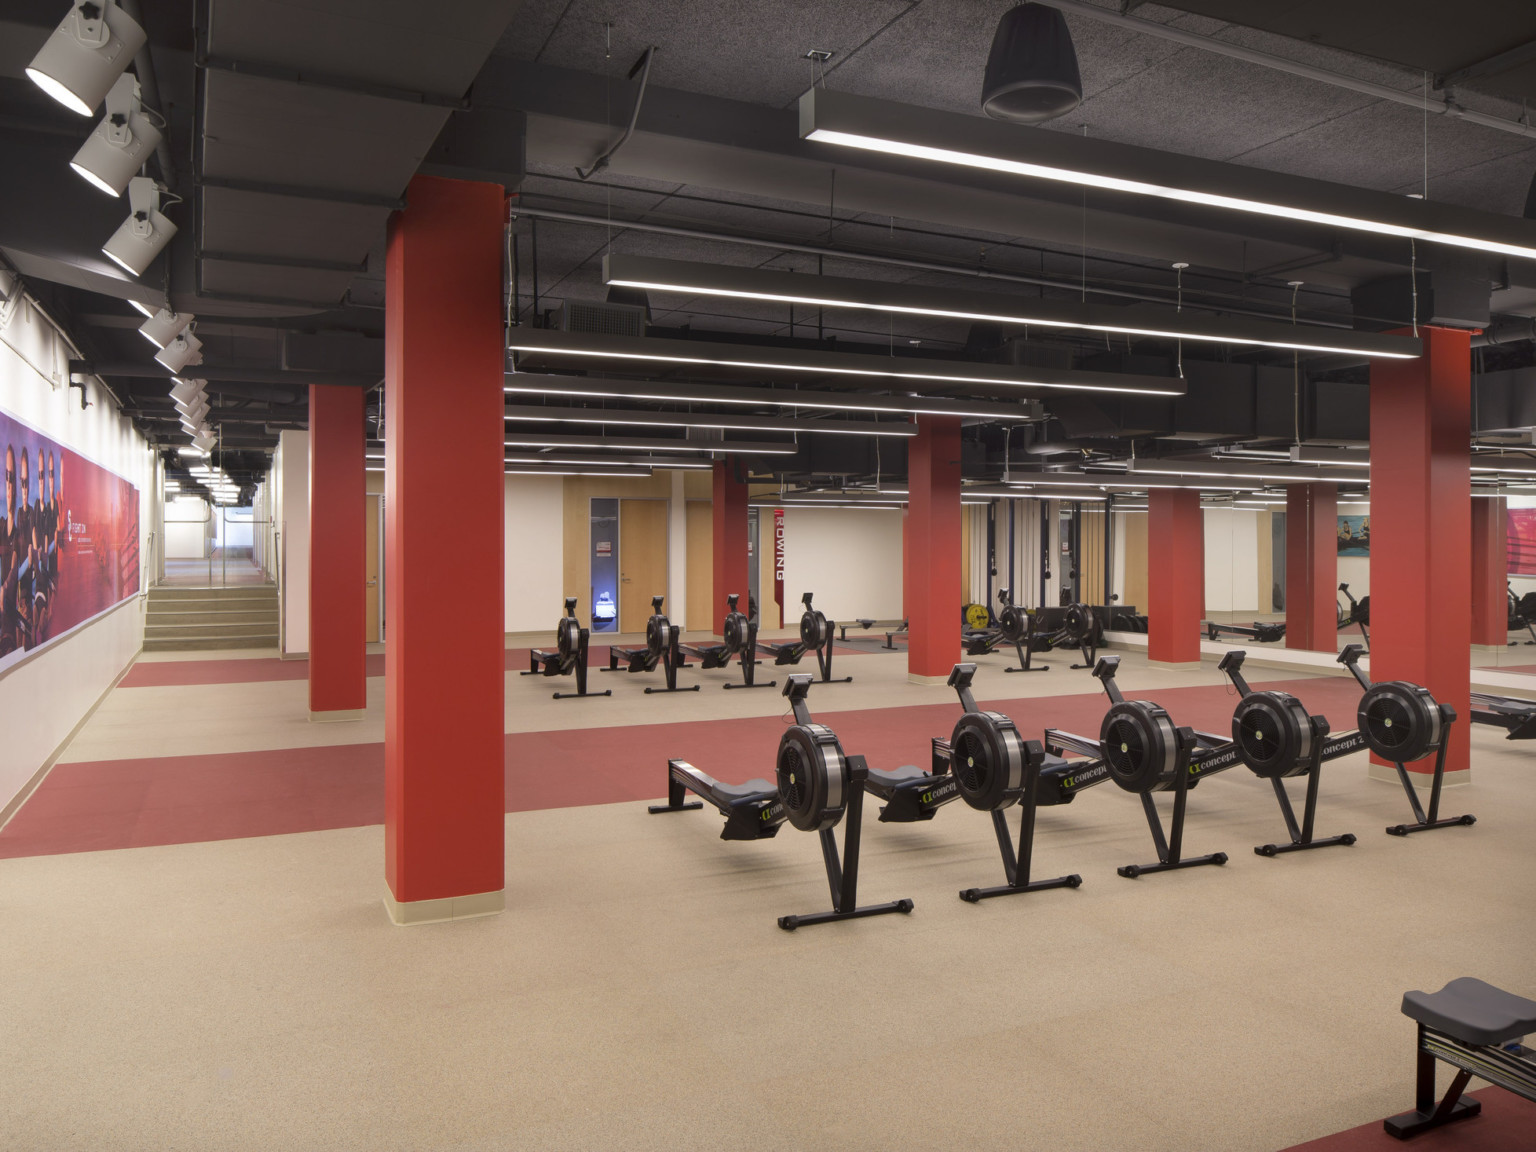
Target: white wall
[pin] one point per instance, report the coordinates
(44, 697)
(1231, 560)
(849, 557)
(533, 540)
(186, 528)
(290, 493)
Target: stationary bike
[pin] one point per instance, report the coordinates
(570, 655)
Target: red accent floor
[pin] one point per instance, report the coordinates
(1507, 1124)
(97, 805)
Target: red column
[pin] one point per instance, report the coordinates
(932, 578)
(1312, 566)
(1175, 575)
(338, 681)
(1490, 572)
(1421, 525)
(443, 742)
(730, 512)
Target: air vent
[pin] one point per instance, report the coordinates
(608, 319)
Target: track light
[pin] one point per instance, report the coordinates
(164, 326)
(816, 291)
(86, 53)
(139, 239)
(196, 410)
(861, 122)
(120, 143)
(188, 452)
(185, 349)
(186, 389)
(204, 442)
(142, 308)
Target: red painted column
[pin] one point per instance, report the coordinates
(1490, 571)
(443, 737)
(1312, 566)
(338, 679)
(1421, 525)
(932, 578)
(730, 539)
(1175, 575)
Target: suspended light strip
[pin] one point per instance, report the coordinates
(631, 461)
(972, 142)
(538, 384)
(739, 447)
(536, 414)
(540, 344)
(620, 472)
(816, 291)
(1095, 482)
(1237, 472)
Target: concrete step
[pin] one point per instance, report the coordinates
(231, 615)
(153, 644)
(163, 593)
(200, 631)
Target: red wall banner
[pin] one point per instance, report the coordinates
(778, 562)
(69, 540)
(1522, 541)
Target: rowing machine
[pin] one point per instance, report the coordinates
(1401, 723)
(1517, 717)
(1259, 630)
(570, 655)
(661, 647)
(815, 636)
(740, 636)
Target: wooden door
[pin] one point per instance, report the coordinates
(373, 564)
(642, 562)
(701, 615)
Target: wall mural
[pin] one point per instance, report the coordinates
(1522, 542)
(69, 540)
(1354, 535)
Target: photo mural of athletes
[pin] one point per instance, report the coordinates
(69, 540)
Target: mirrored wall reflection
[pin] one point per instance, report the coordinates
(1519, 654)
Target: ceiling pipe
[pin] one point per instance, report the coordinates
(1442, 106)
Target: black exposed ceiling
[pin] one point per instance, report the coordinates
(296, 141)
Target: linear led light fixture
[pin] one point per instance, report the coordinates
(658, 274)
(1224, 471)
(620, 472)
(534, 412)
(1330, 457)
(1509, 469)
(975, 142)
(651, 444)
(599, 460)
(539, 384)
(537, 347)
(1089, 480)
(877, 506)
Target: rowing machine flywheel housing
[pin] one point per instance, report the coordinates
(735, 631)
(815, 632)
(1400, 721)
(1273, 734)
(566, 636)
(658, 634)
(1077, 625)
(987, 759)
(812, 776)
(1014, 624)
(1141, 748)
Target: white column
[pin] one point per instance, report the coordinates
(677, 552)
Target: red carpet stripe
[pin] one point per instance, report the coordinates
(1507, 1124)
(182, 799)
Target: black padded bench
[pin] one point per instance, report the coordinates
(1476, 1028)
(862, 622)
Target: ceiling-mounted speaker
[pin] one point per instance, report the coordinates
(1032, 70)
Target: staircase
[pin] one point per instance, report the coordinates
(189, 619)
